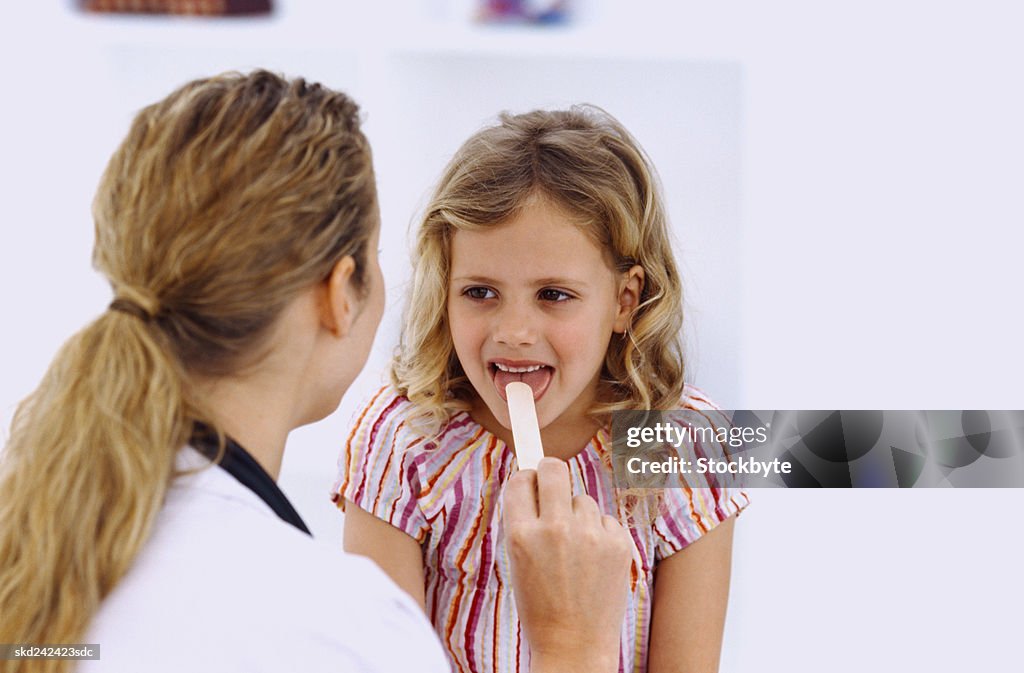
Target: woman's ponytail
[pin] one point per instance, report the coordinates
(83, 476)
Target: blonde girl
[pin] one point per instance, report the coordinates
(544, 257)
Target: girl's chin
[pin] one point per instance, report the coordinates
(499, 411)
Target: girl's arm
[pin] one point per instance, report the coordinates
(691, 589)
(397, 554)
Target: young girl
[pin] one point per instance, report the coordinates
(544, 256)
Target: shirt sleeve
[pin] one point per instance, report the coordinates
(377, 469)
(687, 511)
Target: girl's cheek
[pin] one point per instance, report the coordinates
(580, 338)
(463, 329)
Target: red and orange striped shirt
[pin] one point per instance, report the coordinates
(445, 493)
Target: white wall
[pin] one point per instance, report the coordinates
(845, 186)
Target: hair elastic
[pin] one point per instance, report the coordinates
(141, 304)
(131, 308)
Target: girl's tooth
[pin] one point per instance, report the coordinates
(518, 370)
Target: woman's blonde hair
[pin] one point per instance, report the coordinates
(226, 199)
(585, 162)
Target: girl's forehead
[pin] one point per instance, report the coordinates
(537, 226)
(536, 245)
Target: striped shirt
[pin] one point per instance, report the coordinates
(445, 492)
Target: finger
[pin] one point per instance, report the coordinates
(519, 497)
(620, 533)
(586, 509)
(611, 523)
(554, 493)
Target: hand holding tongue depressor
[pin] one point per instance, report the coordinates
(525, 429)
(569, 562)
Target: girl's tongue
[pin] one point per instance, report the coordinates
(537, 380)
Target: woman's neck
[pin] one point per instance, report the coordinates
(251, 414)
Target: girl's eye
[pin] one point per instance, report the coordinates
(552, 295)
(479, 293)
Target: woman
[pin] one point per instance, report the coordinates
(238, 224)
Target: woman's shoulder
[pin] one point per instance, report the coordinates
(200, 522)
(269, 583)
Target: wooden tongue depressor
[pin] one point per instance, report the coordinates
(525, 429)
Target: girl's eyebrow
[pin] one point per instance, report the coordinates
(484, 280)
(560, 281)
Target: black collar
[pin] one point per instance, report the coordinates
(238, 462)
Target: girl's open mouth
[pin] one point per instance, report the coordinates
(534, 374)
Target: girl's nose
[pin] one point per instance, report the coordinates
(514, 326)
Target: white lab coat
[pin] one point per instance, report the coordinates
(224, 585)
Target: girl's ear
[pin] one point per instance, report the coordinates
(631, 286)
(339, 305)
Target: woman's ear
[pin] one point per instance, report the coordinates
(339, 306)
(631, 286)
